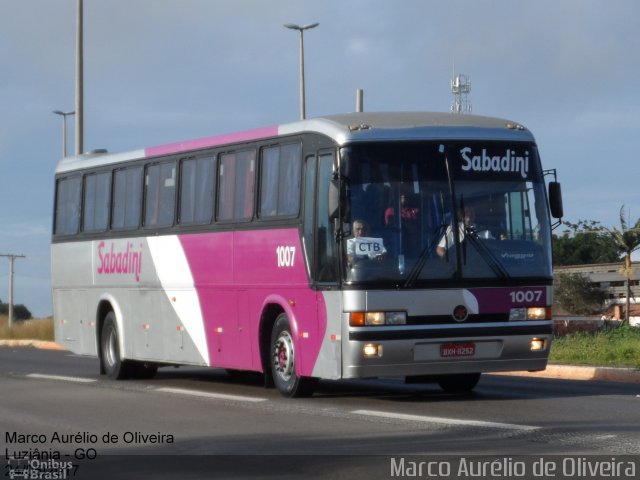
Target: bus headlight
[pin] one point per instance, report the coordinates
(396, 318)
(386, 318)
(374, 318)
(530, 313)
(538, 313)
(361, 319)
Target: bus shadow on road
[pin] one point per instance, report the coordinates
(490, 387)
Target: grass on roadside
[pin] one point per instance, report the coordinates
(619, 347)
(35, 329)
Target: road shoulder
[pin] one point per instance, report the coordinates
(41, 344)
(575, 372)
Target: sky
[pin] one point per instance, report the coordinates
(161, 71)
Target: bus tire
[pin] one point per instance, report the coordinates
(283, 362)
(459, 383)
(110, 356)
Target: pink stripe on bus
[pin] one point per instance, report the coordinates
(235, 275)
(244, 136)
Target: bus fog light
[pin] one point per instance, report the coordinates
(537, 344)
(517, 314)
(372, 350)
(374, 318)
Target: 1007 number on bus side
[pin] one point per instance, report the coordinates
(286, 256)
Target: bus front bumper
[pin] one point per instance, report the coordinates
(446, 349)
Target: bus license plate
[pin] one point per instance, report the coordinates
(457, 349)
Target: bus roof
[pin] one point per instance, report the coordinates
(342, 128)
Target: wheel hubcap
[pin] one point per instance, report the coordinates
(110, 348)
(283, 358)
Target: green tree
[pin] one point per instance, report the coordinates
(575, 293)
(20, 312)
(585, 242)
(627, 241)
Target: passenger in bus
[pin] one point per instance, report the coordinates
(409, 213)
(361, 246)
(408, 222)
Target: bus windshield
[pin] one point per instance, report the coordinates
(424, 212)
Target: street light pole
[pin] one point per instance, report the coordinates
(12, 257)
(301, 29)
(79, 82)
(64, 129)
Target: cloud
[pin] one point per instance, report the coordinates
(359, 46)
(608, 118)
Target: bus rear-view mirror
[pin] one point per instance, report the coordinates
(555, 200)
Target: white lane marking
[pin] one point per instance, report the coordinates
(444, 421)
(42, 376)
(216, 396)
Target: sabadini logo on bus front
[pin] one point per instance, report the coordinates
(508, 163)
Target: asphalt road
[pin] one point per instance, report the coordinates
(205, 423)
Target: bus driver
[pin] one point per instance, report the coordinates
(361, 246)
(467, 222)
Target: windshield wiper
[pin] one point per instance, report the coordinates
(486, 254)
(424, 256)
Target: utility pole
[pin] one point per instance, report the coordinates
(79, 83)
(12, 257)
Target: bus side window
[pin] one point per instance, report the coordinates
(127, 198)
(236, 185)
(160, 197)
(326, 245)
(196, 191)
(68, 206)
(95, 213)
(280, 182)
(309, 209)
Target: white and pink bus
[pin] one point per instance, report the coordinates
(350, 246)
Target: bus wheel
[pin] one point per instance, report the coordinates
(283, 362)
(110, 357)
(459, 383)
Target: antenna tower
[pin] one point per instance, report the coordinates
(460, 88)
